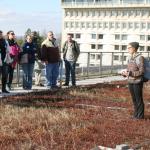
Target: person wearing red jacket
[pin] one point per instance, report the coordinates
(14, 53)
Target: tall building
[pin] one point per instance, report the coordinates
(106, 26)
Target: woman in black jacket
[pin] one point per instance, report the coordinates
(28, 65)
(3, 65)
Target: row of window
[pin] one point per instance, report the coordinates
(115, 57)
(119, 37)
(108, 13)
(108, 25)
(118, 47)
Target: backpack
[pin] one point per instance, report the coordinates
(147, 70)
(146, 75)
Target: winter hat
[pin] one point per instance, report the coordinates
(134, 44)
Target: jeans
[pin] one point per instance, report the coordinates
(70, 69)
(4, 74)
(136, 91)
(52, 72)
(27, 75)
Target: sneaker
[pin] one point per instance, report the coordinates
(65, 84)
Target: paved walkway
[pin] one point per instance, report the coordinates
(19, 90)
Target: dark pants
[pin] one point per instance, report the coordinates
(10, 75)
(4, 73)
(136, 91)
(70, 70)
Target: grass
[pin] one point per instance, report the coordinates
(51, 120)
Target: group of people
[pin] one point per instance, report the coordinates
(48, 55)
(33, 58)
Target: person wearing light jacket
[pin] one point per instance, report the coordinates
(71, 53)
(134, 73)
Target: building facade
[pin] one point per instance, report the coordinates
(106, 26)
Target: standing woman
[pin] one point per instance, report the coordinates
(3, 64)
(14, 53)
(134, 72)
(29, 50)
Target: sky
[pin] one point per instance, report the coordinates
(39, 15)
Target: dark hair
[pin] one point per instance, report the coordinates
(70, 34)
(1, 31)
(10, 32)
(135, 45)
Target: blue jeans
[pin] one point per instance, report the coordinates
(52, 72)
(70, 70)
(27, 75)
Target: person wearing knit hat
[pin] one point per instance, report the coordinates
(134, 45)
(134, 73)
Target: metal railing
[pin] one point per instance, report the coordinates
(108, 63)
(113, 3)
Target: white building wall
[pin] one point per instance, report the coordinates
(118, 26)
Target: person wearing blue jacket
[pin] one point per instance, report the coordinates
(29, 50)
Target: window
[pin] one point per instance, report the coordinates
(114, 13)
(93, 46)
(124, 13)
(107, 13)
(143, 25)
(78, 36)
(92, 56)
(100, 46)
(88, 25)
(77, 24)
(130, 25)
(93, 13)
(124, 25)
(124, 47)
(106, 25)
(93, 36)
(94, 25)
(98, 57)
(144, 13)
(131, 13)
(116, 57)
(112, 25)
(117, 25)
(148, 48)
(124, 58)
(141, 48)
(66, 24)
(117, 36)
(148, 37)
(82, 25)
(71, 25)
(116, 47)
(137, 25)
(76, 14)
(124, 37)
(148, 26)
(100, 36)
(142, 37)
(138, 13)
(100, 25)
